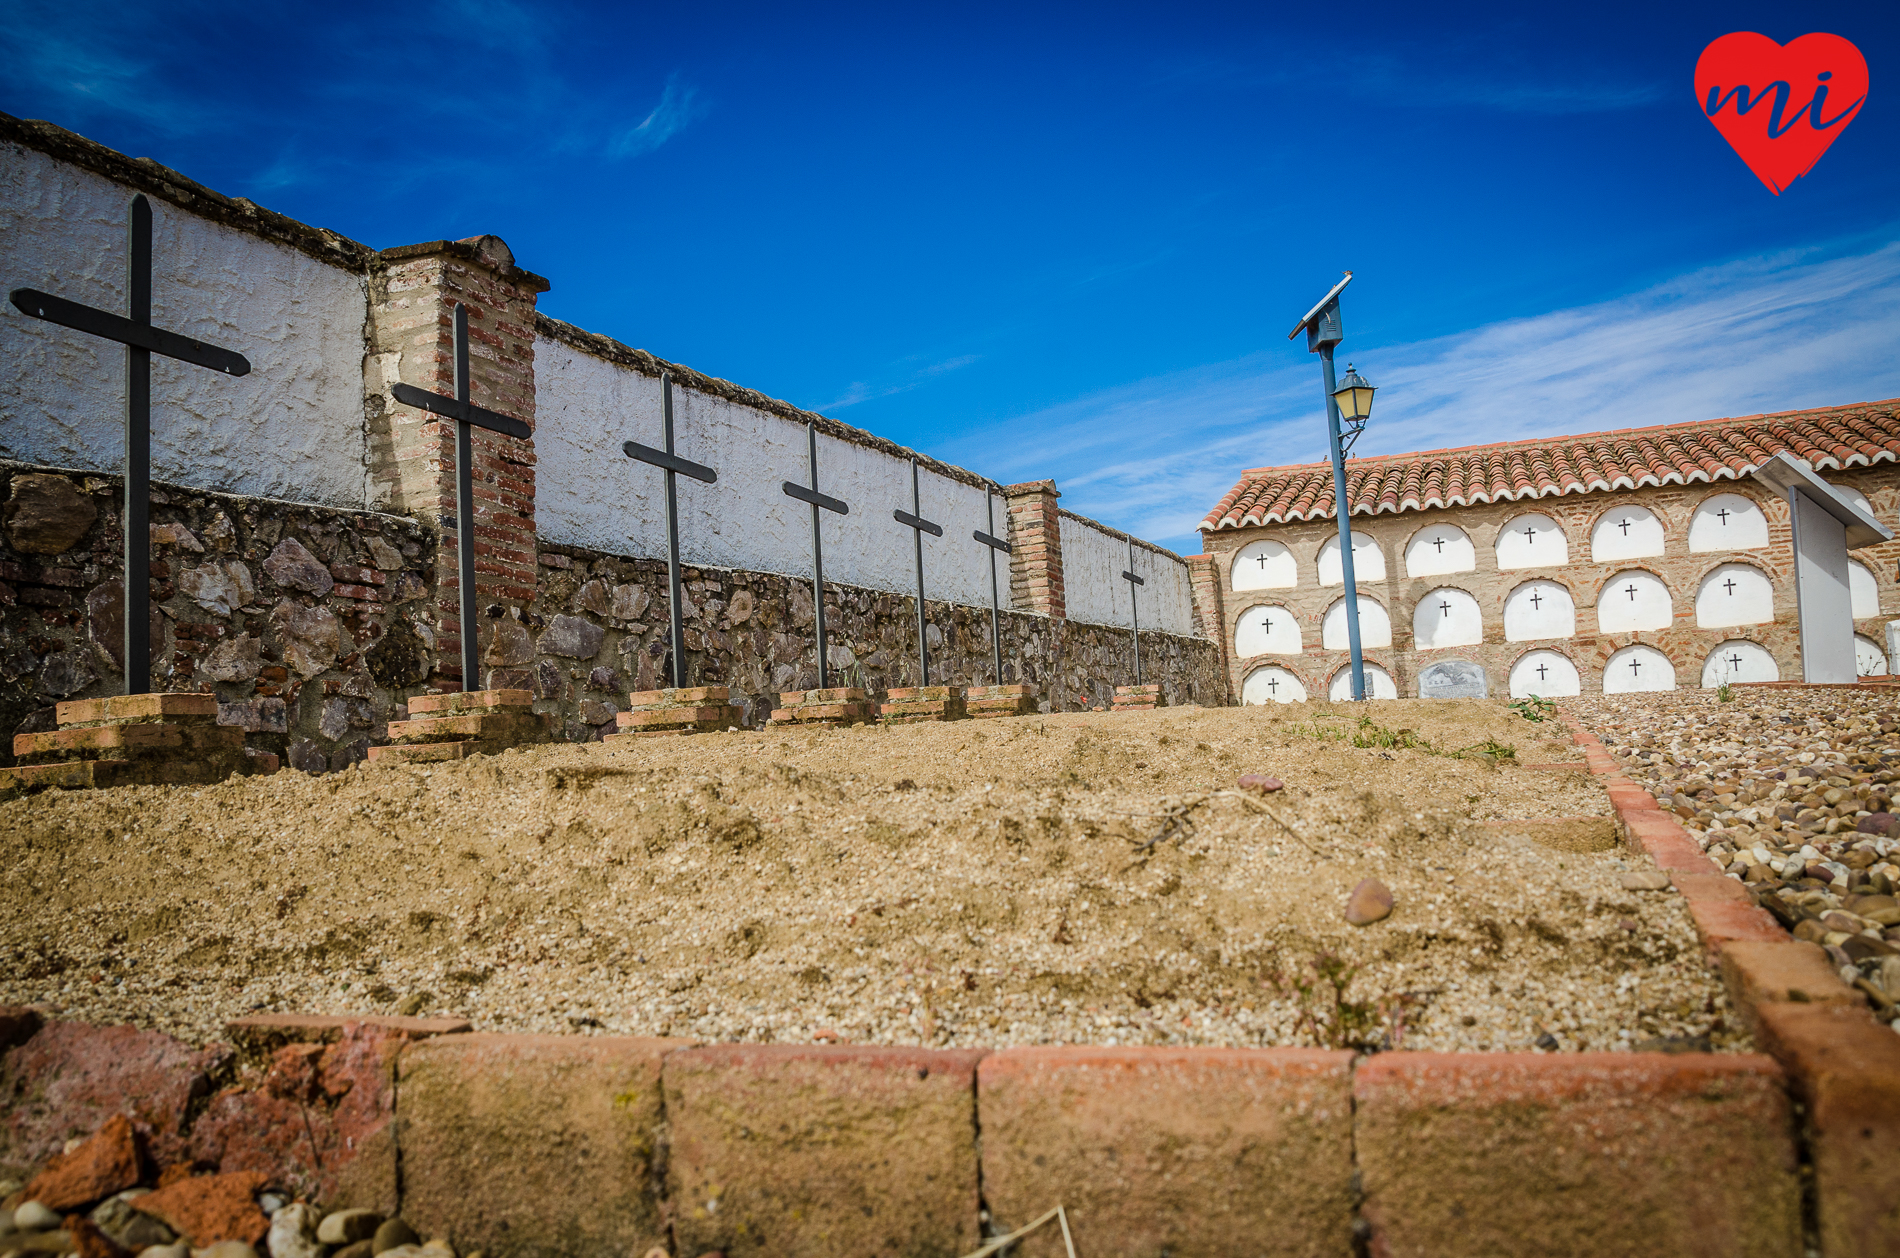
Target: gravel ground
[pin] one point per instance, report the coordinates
(1790, 791)
(972, 883)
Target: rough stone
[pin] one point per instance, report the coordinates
(46, 514)
(307, 756)
(290, 564)
(175, 534)
(206, 1209)
(630, 602)
(341, 715)
(66, 673)
(238, 658)
(105, 622)
(311, 636)
(382, 554)
(219, 588)
(572, 637)
(1370, 901)
(126, 1226)
(592, 597)
(509, 644)
(400, 658)
(220, 534)
(106, 1163)
(739, 610)
(346, 1227)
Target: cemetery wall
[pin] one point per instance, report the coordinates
(1094, 557)
(292, 428)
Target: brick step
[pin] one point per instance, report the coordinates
(923, 694)
(829, 697)
(923, 710)
(136, 741)
(703, 727)
(682, 696)
(506, 729)
(178, 709)
(662, 717)
(471, 702)
(824, 714)
(76, 775)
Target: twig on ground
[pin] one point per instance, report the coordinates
(992, 1246)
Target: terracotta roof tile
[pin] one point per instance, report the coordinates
(1833, 438)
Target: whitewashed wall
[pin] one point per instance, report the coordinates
(293, 428)
(1093, 561)
(589, 493)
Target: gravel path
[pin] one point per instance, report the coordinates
(1790, 791)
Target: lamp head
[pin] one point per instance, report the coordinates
(1354, 396)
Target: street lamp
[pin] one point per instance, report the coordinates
(1351, 400)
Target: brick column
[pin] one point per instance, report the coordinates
(412, 453)
(1035, 538)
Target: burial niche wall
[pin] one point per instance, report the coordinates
(1728, 522)
(1735, 594)
(1539, 609)
(1869, 659)
(1375, 626)
(1547, 674)
(1863, 591)
(1438, 549)
(1267, 630)
(1272, 684)
(1265, 565)
(1368, 561)
(1637, 669)
(1634, 599)
(1532, 540)
(1447, 617)
(1739, 660)
(1379, 684)
(1626, 533)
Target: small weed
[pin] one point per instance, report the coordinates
(1491, 749)
(1535, 709)
(1725, 693)
(1373, 735)
(1332, 1020)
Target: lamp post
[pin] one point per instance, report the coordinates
(1352, 403)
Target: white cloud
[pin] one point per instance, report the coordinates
(1799, 329)
(678, 106)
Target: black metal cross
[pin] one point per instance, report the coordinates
(1444, 608)
(1273, 686)
(1724, 514)
(1439, 542)
(1134, 611)
(673, 466)
(1537, 599)
(141, 341)
(466, 415)
(1635, 666)
(1263, 563)
(1730, 586)
(817, 500)
(914, 520)
(995, 544)
(1625, 526)
(1541, 670)
(1630, 589)
(1530, 535)
(1735, 661)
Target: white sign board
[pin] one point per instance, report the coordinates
(1827, 524)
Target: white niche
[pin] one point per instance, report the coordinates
(1375, 627)
(1735, 594)
(1265, 566)
(1547, 674)
(1539, 609)
(1626, 533)
(1368, 561)
(1634, 599)
(1378, 684)
(1272, 684)
(1739, 660)
(1267, 631)
(1438, 549)
(1728, 522)
(1862, 590)
(1638, 668)
(1869, 659)
(1532, 541)
(1446, 617)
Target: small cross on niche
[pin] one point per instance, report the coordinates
(1530, 535)
(1263, 563)
(1631, 588)
(1730, 586)
(1636, 666)
(1735, 663)
(1541, 670)
(1625, 526)
(1273, 685)
(1537, 599)
(1723, 515)
(1444, 608)
(1439, 542)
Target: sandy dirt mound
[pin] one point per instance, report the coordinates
(957, 884)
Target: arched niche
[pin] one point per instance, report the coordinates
(1636, 669)
(1626, 533)
(1272, 684)
(1375, 626)
(1447, 617)
(1546, 674)
(1728, 522)
(1532, 540)
(1267, 630)
(1379, 684)
(1856, 497)
(1739, 660)
(1634, 599)
(1437, 549)
(1863, 591)
(1537, 610)
(1264, 565)
(1368, 561)
(1869, 659)
(1735, 594)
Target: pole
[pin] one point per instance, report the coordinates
(673, 537)
(817, 553)
(917, 536)
(996, 628)
(465, 509)
(1134, 612)
(138, 457)
(1345, 526)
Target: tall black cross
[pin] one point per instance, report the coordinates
(817, 500)
(1134, 612)
(914, 520)
(673, 466)
(466, 415)
(995, 544)
(141, 341)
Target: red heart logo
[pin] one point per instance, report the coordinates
(1780, 106)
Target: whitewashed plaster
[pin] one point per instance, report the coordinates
(1094, 592)
(1272, 684)
(1267, 630)
(1634, 599)
(1862, 590)
(1869, 659)
(292, 428)
(1438, 549)
(1375, 626)
(1546, 674)
(1626, 533)
(1447, 617)
(1636, 669)
(1265, 565)
(1855, 496)
(1735, 594)
(1368, 561)
(1539, 609)
(1379, 684)
(1532, 540)
(1728, 522)
(1739, 660)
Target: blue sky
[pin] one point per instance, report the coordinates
(1065, 242)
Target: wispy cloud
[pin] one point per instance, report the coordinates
(1771, 333)
(911, 378)
(678, 107)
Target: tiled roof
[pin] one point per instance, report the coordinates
(1834, 437)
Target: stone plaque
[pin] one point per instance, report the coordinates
(1452, 679)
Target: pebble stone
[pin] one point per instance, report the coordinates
(1370, 901)
(31, 1216)
(392, 1234)
(293, 1232)
(345, 1227)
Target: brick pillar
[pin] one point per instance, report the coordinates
(1209, 619)
(412, 453)
(1035, 538)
